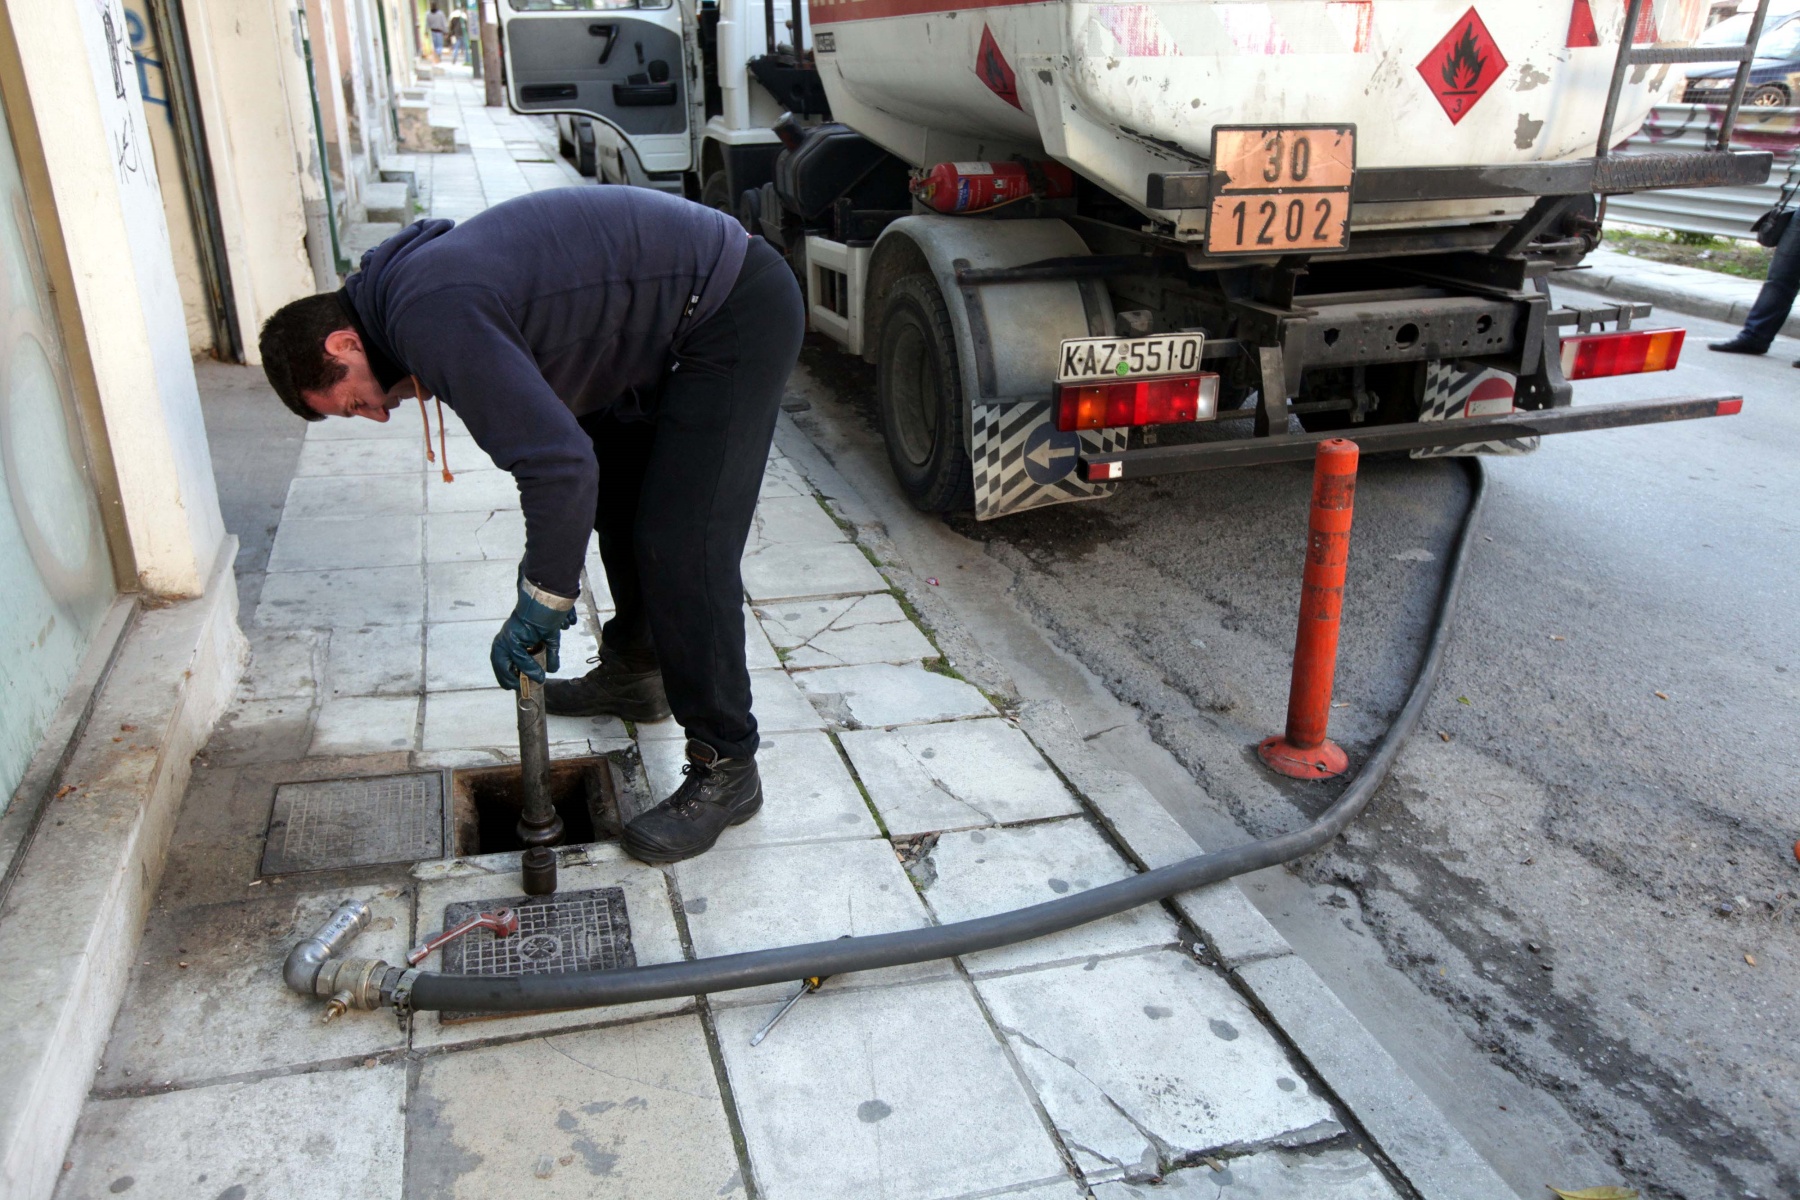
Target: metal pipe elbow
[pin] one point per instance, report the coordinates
(301, 970)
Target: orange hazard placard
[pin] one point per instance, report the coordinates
(1281, 189)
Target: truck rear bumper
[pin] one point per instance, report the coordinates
(1420, 435)
(1579, 177)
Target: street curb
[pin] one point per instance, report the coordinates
(1679, 289)
(1411, 1131)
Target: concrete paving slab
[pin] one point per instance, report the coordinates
(474, 536)
(594, 584)
(765, 896)
(456, 654)
(901, 1092)
(1144, 1059)
(884, 694)
(1414, 1134)
(206, 998)
(782, 479)
(793, 520)
(315, 544)
(318, 1136)
(629, 1113)
(759, 654)
(1233, 928)
(374, 660)
(786, 572)
(981, 872)
(283, 663)
(654, 938)
(322, 599)
(777, 704)
(471, 591)
(955, 775)
(257, 731)
(486, 719)
(361, 496)
(466, 454)
(471, 491)
(845, 631)
(1270, 1175)
(365, 725)
(808, 794)
(358, 429)
(867, 642)
(363, 456)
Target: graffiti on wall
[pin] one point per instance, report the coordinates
(153, 80)
(123, 132)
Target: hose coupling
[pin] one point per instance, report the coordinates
(352, 983)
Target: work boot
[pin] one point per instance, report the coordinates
(1738, 345)
(628, 685)
(717, 792)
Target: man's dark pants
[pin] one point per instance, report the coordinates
(677, 496)
(1776, 299)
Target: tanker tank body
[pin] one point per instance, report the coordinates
(1271, 222)
(1122, 91)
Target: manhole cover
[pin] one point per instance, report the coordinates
(570, 931)
(335, 823)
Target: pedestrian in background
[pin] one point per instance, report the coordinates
(459, 35)
(439, 26)
(1776, 299)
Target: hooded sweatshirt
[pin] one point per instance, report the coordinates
(538, 311)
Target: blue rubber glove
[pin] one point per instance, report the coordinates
(538, 619)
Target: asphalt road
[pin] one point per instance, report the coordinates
(1586, 859)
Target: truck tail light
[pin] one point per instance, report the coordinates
(1137, 402)
(1628, 352)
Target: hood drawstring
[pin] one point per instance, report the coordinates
(443, 443)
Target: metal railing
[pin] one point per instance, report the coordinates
(1722, 211)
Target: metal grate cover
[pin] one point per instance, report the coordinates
(333, 823)
(570, 931)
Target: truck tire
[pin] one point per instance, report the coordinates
(919, 389)
(715, 192)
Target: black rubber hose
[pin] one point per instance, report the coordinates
(592, 989)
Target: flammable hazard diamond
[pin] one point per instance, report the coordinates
(1463, 66)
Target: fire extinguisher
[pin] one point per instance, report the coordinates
(972, 187)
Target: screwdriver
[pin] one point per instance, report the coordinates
(809, 984)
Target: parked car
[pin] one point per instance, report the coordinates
(1774, 76)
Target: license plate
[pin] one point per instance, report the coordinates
(1090, 360)
(1281, 189)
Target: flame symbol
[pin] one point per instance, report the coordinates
(1462, 69)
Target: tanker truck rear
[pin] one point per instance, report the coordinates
(1089, 242)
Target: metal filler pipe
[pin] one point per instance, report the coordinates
(372, 983)
(540, 826)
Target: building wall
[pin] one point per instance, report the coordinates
(267, 168)
(80, 75)
(153, 87)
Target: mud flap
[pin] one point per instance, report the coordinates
(1454, 390)
(1021, 460)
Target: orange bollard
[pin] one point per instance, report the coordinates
(1304, 752)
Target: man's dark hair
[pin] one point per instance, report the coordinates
(293, 350)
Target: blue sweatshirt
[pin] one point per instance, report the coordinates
(538, 311)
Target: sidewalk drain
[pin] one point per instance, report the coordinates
(486, 801)
(334, 823)
(570, 931)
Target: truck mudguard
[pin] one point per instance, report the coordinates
(1007, 340)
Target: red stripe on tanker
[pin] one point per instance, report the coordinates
(970, 187)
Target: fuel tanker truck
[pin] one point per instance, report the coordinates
(1084, 243)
